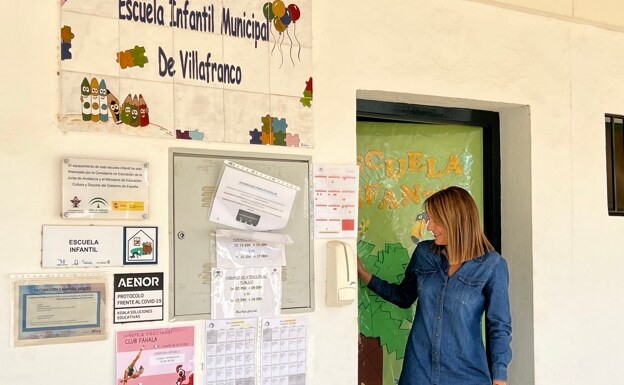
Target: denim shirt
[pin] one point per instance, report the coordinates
(445, 345)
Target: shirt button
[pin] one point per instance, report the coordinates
(438, 317)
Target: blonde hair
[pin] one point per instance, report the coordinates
(454, 209)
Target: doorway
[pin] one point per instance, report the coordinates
(405, 153)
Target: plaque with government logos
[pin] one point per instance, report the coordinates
(104, 189)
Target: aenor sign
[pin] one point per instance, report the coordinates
(138, 297)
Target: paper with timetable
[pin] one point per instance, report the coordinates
(283, 350)
(231, 351)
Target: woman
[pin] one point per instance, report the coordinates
(131, 371)
(456, 278)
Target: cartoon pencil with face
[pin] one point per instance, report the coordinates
(113, 104)
(134, 119)
(85, 98)
(103, 102)
(95, 100)
(126, 110)
(143, 112)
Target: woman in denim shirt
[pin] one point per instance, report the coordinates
(456, 278)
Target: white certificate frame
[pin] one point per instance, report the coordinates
(51, 309)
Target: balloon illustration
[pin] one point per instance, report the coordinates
(295, 13)
(267, 10)
(279, 8)
(279, 26)
(282, 17)
(286, 19)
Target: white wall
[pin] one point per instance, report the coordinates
(552, 80)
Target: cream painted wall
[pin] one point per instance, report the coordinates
(551, 79)
(602, 13)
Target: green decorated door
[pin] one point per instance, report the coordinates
(401, 164)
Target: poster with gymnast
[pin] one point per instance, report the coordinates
(156, 356)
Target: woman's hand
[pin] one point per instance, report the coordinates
(364, 274)
(499, 382)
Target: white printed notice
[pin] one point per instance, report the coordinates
(284, 351)
(236, 248)
(82, 246)
(250, 200)
(246, 292)
(335, 201)
(104, 189)
(231, 351)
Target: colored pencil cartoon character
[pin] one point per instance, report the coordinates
(134, 110)
(113, 104)
(131, 371)
(85, 98)
(95, 100)
(126, 110)
(143, 112)
(103, 101)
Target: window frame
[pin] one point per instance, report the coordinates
(614, 154)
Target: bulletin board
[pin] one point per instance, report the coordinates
(194, 177)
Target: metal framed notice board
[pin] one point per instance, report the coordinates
(194, 177)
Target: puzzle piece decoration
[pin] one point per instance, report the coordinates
(189, 135)
(65, 52)
(267, 138)
(180, 134)
(306, 100)
(138, 53)
(279, 125)
(267, 129)
(125, 59)
(267, 122)
(292, 140)
(134, 57)
(273, 132)
(280, 138)
(66, 34)
(66, 38)
(196, 135)
(255, 136)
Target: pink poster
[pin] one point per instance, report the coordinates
(156, 356)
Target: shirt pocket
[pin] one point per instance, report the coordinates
(425, 279)
(470, 289)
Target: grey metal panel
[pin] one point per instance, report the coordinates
(193, 178)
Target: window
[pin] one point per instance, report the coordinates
(614, 130)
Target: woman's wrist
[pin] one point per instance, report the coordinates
(365, 276)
